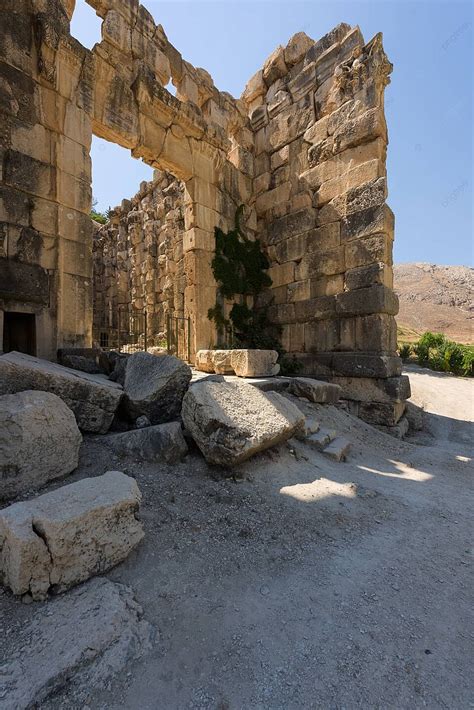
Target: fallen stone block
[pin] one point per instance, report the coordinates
(314, 390)
(39, 441)
(320, 439)
(79, 641)
(162, 442)
(254, 363)
(53, 542)
(155, 386)
(231, 421)
(92, 398)
(204, 361)
(338, 449)
(221, 360)
(311, 426)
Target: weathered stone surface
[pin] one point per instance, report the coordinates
(386, 413)
(254, 363)
(92, 398)
(314, 390)
(366, 389)
(53, 542)
(204, 361)
(162, 442)
(221, 360)
(364, 365)
(80, 640)
(374, 299)
(39, 441)
(155, 386)
(338, 449)
(232, 421)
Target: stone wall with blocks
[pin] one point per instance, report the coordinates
(303, 149)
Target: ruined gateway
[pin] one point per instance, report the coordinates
(303, 149)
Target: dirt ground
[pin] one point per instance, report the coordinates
(304, 583)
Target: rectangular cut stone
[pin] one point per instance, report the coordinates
(371, 170)
(314, 390)
(365, 389)
(282, 274)
(289, 225)
(362, 252)
(366, 222)
(385, 413)
(315, 309)
(324, 263)
(92, 398)
(375, 299)
(366, 276)
(254, 363)
(55, 541)
(360, 129)
(376, 333)
(365, 365)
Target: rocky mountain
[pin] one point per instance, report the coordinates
(436, 298)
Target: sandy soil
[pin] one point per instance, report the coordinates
(303, 583)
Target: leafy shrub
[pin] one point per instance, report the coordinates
(404, 350)
(436, 351)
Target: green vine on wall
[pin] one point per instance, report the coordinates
(240, 270)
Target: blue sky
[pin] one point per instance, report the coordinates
(428, 103)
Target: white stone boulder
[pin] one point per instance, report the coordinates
(161, 442)
(254, 363)
(231, 421)
(92, 398)
(83, 639)
(155, 386)
(39, 441)
(314, 390)
(59, 539)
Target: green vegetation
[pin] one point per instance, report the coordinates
(436, 351)
(240, 270)
(100, 217)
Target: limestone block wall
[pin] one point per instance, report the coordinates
(45, 231)
(320, 138)
(139, 258)
(55, 95)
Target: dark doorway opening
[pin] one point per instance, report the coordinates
(19, 333)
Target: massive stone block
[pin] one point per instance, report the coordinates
(91, 635)
(39, 441)
(92, 398)
(154, 386)
(230, 422)
(53, 542)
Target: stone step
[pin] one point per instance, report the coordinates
(320, 439)
(338, 448)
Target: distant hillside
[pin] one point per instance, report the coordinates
(436, 298)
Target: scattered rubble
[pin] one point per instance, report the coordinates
(231, 421)
(59, 539)
(81, 640)
(154, 386)
(93, 399)
(39, 441)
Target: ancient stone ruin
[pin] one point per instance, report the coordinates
(303, 150)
